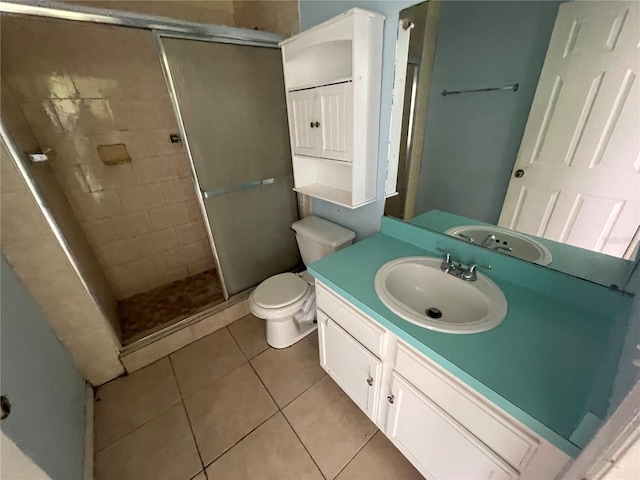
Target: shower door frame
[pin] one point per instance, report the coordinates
(159, 27)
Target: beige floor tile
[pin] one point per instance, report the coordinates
(272, 451)
(313, 338)
(206, 360)
(228, 409)
(288, 372)
(162, 448)
(123, 405)
(200, 476)
(330, 425)
(379, 460)
(250, 334)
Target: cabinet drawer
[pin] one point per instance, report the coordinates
(494, 429)
(435, 443)
(353, 321)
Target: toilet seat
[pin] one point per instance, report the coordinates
(280, 291)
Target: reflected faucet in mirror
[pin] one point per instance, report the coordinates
(554, 165)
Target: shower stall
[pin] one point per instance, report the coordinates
(161, 151)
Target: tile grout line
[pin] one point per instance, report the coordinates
(303, 445)
(358, 452)
(193, 435)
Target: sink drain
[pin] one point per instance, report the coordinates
(434, 312)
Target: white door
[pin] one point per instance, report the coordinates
(435, 443)
(576, 179)
(352, 366)
(336, 112)
(304, 122)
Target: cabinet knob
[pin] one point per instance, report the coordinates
(390, 398)
(370, 381)
(311, 125)
(317, 124)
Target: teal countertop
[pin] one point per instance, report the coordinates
(593, 266)
(542, 365)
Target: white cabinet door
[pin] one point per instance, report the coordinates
(435, 443)
(305, 135)
(356, 370)
(336, 124)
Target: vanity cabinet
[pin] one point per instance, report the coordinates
(445, 428)
(332, 76)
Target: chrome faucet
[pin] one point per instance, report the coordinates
(457, 269)
(488, 241)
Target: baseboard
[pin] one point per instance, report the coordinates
(87, 473)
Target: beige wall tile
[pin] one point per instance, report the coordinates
(133, 113)
(191, 232)
(161, 348)
(69, 149)
(193, 208)
(277, 17)
(141, 197)
(37, 257)
(169, 118)
(42, 117)
(70, 320)
(118, 252)
(183, 255)
(155, 169)
(72, 180)
(182, 166)
(10, 179)
(169, 216)
(96, 205)
(201, 266)
(157, 242)
(16, 123)
(136, 275)
(52, 292)
(118, 228)
(178, 191)
(159, 144)
(84, 115)
(96, 355)
(20, 217)
(101, 177)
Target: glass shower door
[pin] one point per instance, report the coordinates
(232, 106)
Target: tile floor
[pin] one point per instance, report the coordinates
(150, 311)
(230, 407)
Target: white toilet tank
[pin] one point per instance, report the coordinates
(318, 238)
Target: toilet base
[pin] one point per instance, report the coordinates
(284, 333)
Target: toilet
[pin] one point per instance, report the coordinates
(287, 301)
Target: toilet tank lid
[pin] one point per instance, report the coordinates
(323, 231)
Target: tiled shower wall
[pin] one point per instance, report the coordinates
(84, 85)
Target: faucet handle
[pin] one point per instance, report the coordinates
(470, 273)
(447, 255)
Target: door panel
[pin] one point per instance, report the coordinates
(580, 150)
(232, 106)
(435, 443)
(351, 365)
(305, 137)
(336, 110)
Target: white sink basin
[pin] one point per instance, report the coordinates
(522, 246)
(416, 289)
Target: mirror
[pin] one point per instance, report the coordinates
(521, 122)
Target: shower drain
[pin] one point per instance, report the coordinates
(434, 312)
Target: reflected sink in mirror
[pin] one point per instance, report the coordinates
(419, 291)
(504, 241)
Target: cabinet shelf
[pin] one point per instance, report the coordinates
(332, 82)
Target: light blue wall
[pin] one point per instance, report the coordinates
(365, 221)
(47, 391)
(472, 140)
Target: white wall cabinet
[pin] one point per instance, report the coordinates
(445, 429)
(332, 78)
(322, 121)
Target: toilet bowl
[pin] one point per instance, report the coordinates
(287, 301)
